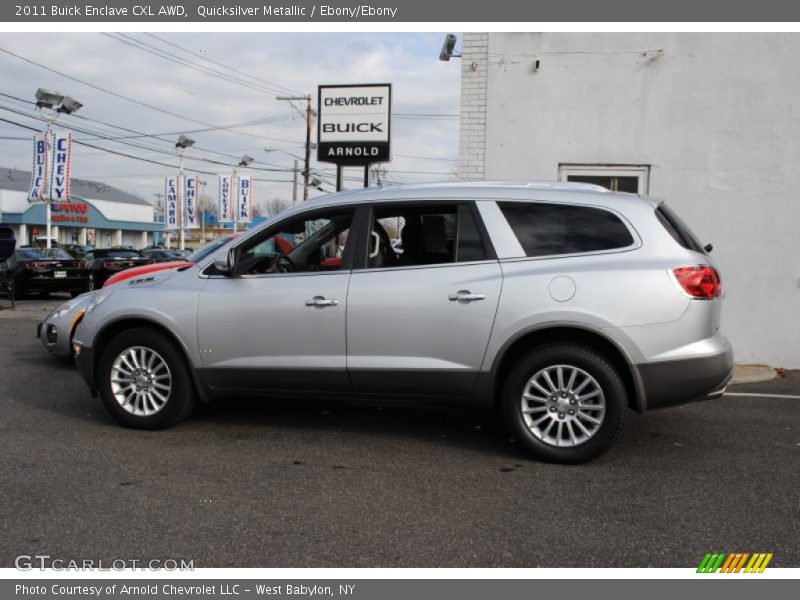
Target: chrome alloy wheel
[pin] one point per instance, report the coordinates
(141, 381)
(563, 406)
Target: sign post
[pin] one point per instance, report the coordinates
(354, 127)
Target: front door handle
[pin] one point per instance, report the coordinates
(321, 301)
(466, 296)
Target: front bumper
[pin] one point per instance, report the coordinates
(674, 382)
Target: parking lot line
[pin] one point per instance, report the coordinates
(757, 395)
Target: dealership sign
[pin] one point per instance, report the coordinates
(52, 161)
(354, 124)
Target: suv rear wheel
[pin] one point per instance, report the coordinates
(565, 402)
(144, 380)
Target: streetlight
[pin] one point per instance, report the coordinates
(181, 145)
(57, 103)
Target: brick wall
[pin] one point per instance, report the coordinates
(472, 141)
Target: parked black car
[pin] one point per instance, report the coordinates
(160, 255)
(77, 250)
(103, 263)
(32, 269)
(7, 241)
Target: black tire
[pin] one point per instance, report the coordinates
(587, 360)
(180, 400)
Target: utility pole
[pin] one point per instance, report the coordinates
(203, 213)
(309, 123)
(159, 210)
(294, 177)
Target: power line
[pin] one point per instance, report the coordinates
(150, 49)
(224, 66)
(115, 94)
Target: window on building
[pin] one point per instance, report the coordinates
(634, 179)
(545, 229)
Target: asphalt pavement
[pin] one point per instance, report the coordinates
(249, 483)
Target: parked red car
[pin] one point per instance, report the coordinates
(152, 268)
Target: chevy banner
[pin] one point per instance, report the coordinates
(191, 218)
(60, 166)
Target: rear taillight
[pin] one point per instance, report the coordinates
(699, 281)
(113, 265)
(36, 265)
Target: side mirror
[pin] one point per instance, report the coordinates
(227, 266)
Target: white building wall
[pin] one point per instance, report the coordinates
(715, 116)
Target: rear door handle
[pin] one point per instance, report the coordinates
(321, 301)
(466, 296)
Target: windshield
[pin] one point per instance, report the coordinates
(208, 249)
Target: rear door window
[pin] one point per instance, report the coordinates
(545, 229)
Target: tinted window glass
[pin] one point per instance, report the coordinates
(30, 253)
(470, 242)
(678, 229)
(547, 229)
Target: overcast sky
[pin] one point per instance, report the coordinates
(424, 148)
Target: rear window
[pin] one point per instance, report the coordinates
(550, 229)
(679, 230)
(111, 253)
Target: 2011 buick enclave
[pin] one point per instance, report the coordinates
(562, 305)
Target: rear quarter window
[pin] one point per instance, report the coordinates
(549, 229)
(679, 230)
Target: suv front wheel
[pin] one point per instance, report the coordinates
(144, 380)
(567, 403)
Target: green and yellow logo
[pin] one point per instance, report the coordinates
(720, 562)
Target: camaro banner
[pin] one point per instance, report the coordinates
(245, 201)
(172, 204)
(60, 166)
(192, 219)
(225, 200)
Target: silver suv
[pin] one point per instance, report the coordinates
(560, 305)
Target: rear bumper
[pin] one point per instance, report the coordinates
(51, 284)
(679, 381)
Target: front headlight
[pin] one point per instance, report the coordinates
(96, 301)
(63, 309)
